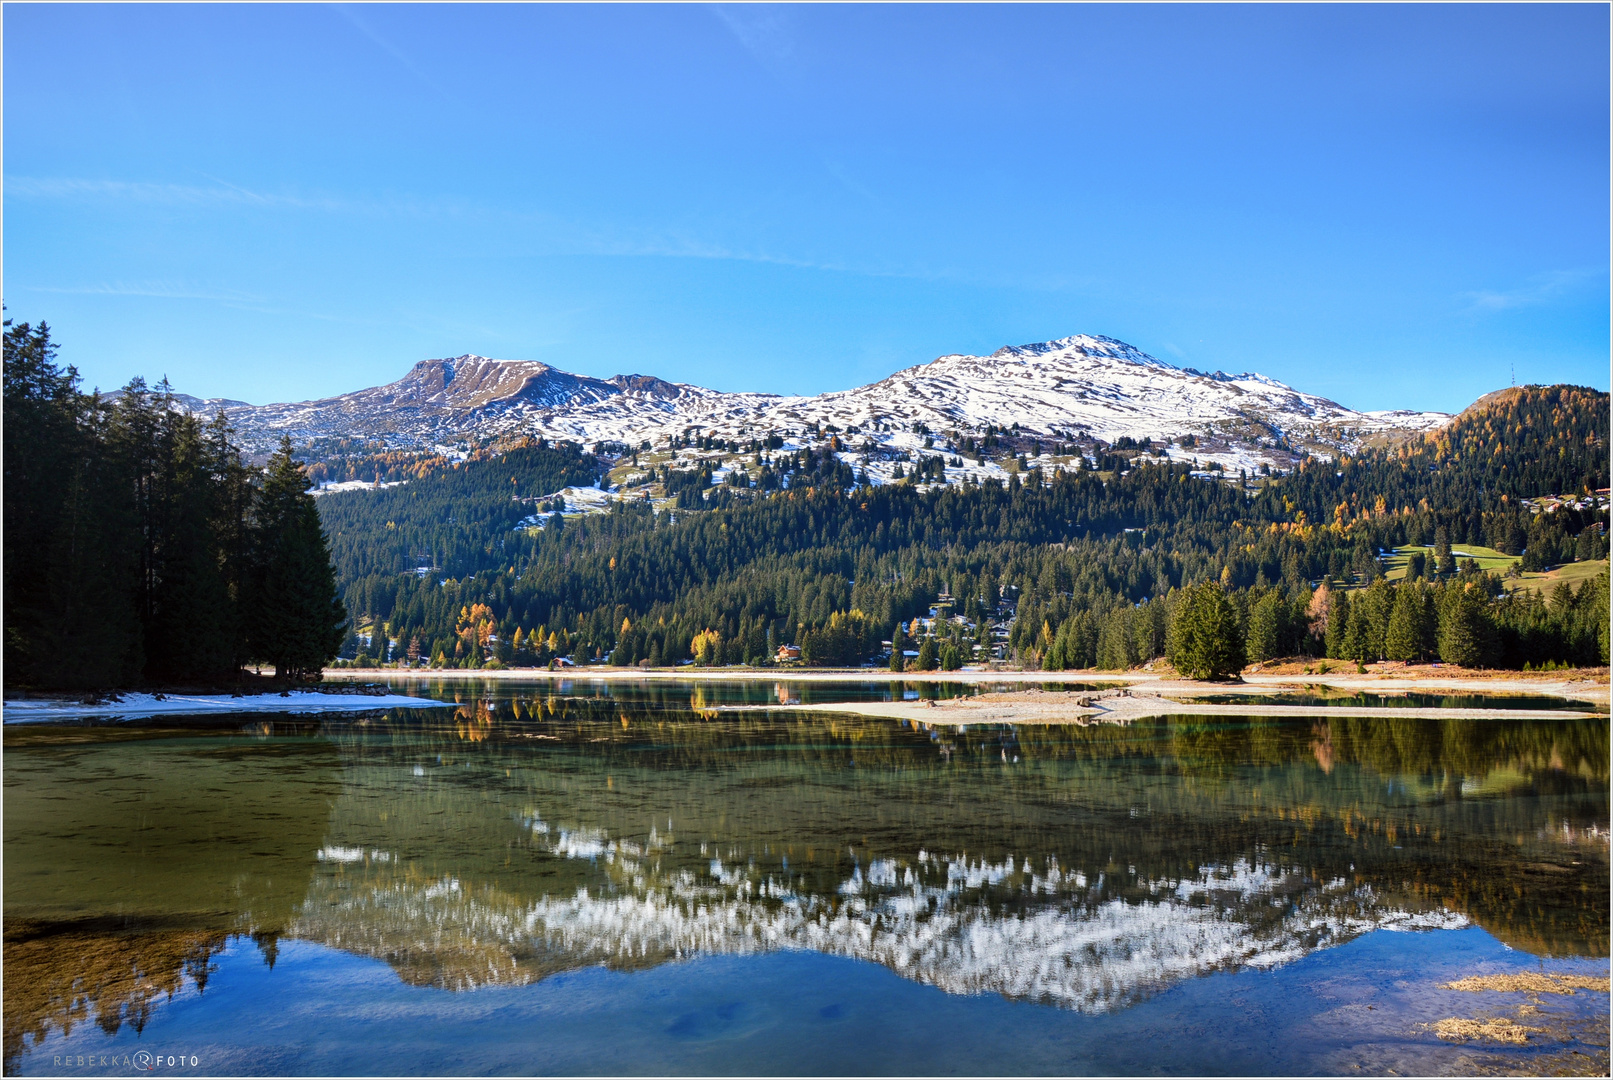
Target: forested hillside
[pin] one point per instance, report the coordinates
(457, 517)
(1078, 569)
(1513, 444)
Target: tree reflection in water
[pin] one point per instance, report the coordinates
(1084, 867)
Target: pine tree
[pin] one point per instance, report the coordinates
(295, 620)
(191, 632)
(1266, 627)
(1404, 639)
(234, 502)
(1205, 640)
(1117, 649)
(50, 488)
(1466, 634)
(90, 638)
(927, 658)
(1338, 623)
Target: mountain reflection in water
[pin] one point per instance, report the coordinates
(1085, 868)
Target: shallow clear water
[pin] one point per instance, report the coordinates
(1408, 700)
(579, 878)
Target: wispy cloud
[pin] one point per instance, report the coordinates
(232, 298)
(222, 193)
(763, 30)
(768, 33)
(519, 233)
(682, 246)
(46, 187)
(167, 290)
(1541, 289)
(385, 45)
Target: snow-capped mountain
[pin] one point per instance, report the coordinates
(930, 919)
(1084, 389)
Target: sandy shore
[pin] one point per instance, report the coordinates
(1590, 686)
(1033, 706)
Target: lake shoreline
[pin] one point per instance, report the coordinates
(1127, 706)
(1593, 690)
(127, 704)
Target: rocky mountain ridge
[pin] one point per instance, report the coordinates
(1087, 390)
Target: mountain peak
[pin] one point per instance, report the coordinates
(1077, 389)
(1094, 346)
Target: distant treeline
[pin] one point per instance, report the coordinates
(139, 546)
(1075, 554)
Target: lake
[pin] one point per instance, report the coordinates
(591, 877)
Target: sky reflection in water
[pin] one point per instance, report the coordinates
(565, 851)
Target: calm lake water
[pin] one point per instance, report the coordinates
(586, 878)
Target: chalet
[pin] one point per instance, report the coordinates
(788, 653)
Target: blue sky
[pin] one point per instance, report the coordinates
(1392, 206)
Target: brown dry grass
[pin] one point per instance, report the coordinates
(1530, 982)
(1395, 670)
(1572, 1044)
(1458, 1029)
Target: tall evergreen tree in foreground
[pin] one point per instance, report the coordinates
(1205, 640)
(140, 547)
(1466, 635)
(1412, 624)
(296, 621)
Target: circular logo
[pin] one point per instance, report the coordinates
(144, 1062)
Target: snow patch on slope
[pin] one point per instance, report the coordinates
(1079, 388)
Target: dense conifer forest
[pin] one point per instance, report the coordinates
(1071, 571)
(459, 517)
(141, 548)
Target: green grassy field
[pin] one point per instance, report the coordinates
(1573, 573)
(1491, 559)
(1488, 558)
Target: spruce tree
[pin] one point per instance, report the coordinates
(1266, 627)
(1466, 634)
(1358, 635)
(927, 658)
(1338, 623)
(1444, 564)
(295, 620)
(1404, 640)
(233, 505)
(1205, 640)
(49, 487)
(191, 632)
(1374, 603)
(91, 637)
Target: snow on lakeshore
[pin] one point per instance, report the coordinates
(299, 701)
